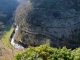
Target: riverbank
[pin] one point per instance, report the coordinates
(7, 53)
(6, 36)
(7, 50)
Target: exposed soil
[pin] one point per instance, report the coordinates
(7, 53)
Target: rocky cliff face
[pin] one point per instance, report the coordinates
(49, 21)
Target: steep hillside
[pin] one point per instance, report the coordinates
(7, 8)
(49, 21)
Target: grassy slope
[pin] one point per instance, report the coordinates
(6, 37)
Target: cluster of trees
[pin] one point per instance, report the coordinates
(45, 52)
(34, 9)
(7, 8)
(36, 15)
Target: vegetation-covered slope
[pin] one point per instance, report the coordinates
(7, 8)
(49, 21)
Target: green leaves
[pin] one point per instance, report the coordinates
(45, 52)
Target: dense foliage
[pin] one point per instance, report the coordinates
(45, 52)
(38, 23)
(6, 9)
(36, 11)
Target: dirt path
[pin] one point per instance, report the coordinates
(7, 53)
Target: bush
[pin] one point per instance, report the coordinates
(45, 52)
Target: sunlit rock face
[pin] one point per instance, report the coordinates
(49, 21)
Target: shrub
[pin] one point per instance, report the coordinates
(45, 52)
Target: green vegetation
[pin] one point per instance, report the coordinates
(6, 36)
(38, 16)
(6, 9)
(45, 52)
(1, 28)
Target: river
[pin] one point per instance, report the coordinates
(12, 40)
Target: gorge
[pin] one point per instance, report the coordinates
(15, 45)
(46, 21)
